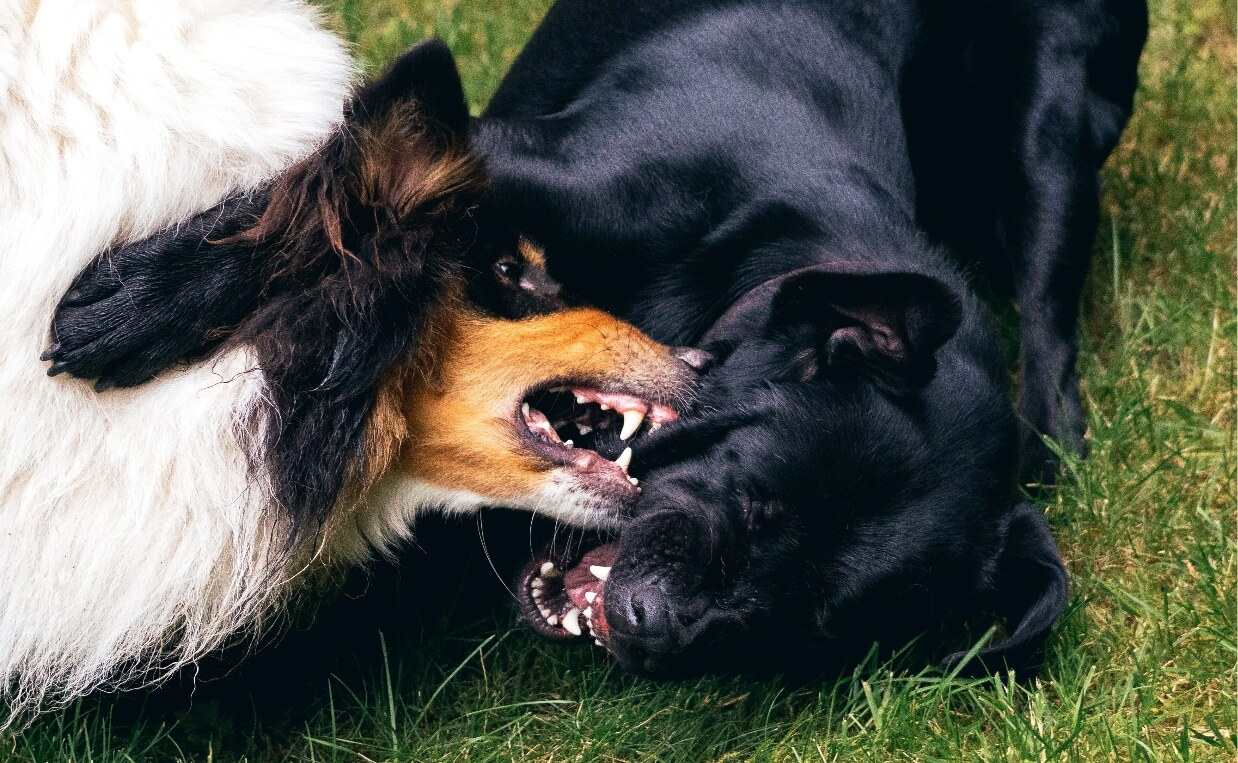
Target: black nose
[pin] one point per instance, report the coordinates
(643, 629)
(698, 360)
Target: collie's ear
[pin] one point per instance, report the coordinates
(362, 238)
(425, 74)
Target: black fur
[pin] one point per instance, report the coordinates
(779, 181)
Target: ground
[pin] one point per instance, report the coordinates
(1142, 667)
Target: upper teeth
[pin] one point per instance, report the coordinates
(599, 572)
(631, 422)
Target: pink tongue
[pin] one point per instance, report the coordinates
(580, 580)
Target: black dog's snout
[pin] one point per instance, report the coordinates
(645, 612)
(698, 360)
(645, 634)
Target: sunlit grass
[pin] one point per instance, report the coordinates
(1141, 668)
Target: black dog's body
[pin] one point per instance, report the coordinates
(771, 179)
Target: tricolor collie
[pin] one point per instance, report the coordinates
(382, 354)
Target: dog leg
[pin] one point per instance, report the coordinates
(136, 310)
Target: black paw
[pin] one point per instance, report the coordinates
(117, 324)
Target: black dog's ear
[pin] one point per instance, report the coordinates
(425, 74)
(1030, 590)
(889, 325)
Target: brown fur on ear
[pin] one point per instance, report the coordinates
(358, 194)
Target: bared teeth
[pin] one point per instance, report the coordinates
(571, 621)
(590, 596)
(635, 482)
(631, 422)
(549, 570)
(625, 459)
(569, 444)
(599, 572)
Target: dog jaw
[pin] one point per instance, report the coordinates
(464, 407)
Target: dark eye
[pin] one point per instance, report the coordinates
(508, 267)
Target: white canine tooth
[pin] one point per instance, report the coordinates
(524, 408)
(625, 459)
(571, 621)
(549, 570)
(590, 596)
(631, 422)
(584, 428)
(599, 572)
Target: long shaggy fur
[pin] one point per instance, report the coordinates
(118, 118)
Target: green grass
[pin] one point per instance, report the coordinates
(1141, 668)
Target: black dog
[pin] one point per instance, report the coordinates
(777, 182)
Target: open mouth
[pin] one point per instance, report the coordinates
(590, 431)
(563, 598)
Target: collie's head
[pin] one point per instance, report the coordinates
(402, 335)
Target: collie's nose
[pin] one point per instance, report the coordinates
(698, 360)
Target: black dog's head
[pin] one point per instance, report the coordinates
(845, 478)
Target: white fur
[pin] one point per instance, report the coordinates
(400, 498)
(130, 540)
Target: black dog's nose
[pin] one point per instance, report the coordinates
(698, 360)
(642, 628)
(646, 611)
